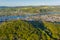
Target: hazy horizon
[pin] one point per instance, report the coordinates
(29, 2)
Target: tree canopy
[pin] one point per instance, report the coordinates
(22, 30)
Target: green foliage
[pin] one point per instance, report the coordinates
(43, 10)
(27, 10)
(54, 29)
(22, 30)
(18, 30)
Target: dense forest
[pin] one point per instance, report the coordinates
(29, 30)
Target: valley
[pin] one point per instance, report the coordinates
(30, 23)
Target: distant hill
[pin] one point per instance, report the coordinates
(8, 10)
(3, 6)
(26, 6)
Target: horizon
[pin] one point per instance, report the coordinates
(29, 3)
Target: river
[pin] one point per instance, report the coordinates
(5, 18)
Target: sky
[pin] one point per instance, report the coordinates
(28, 2)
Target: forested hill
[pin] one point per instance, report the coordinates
(29, 30)
(20, 10)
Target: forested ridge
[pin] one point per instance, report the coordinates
(29, 30)
(7, 11)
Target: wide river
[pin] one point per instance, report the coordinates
(5, 18)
